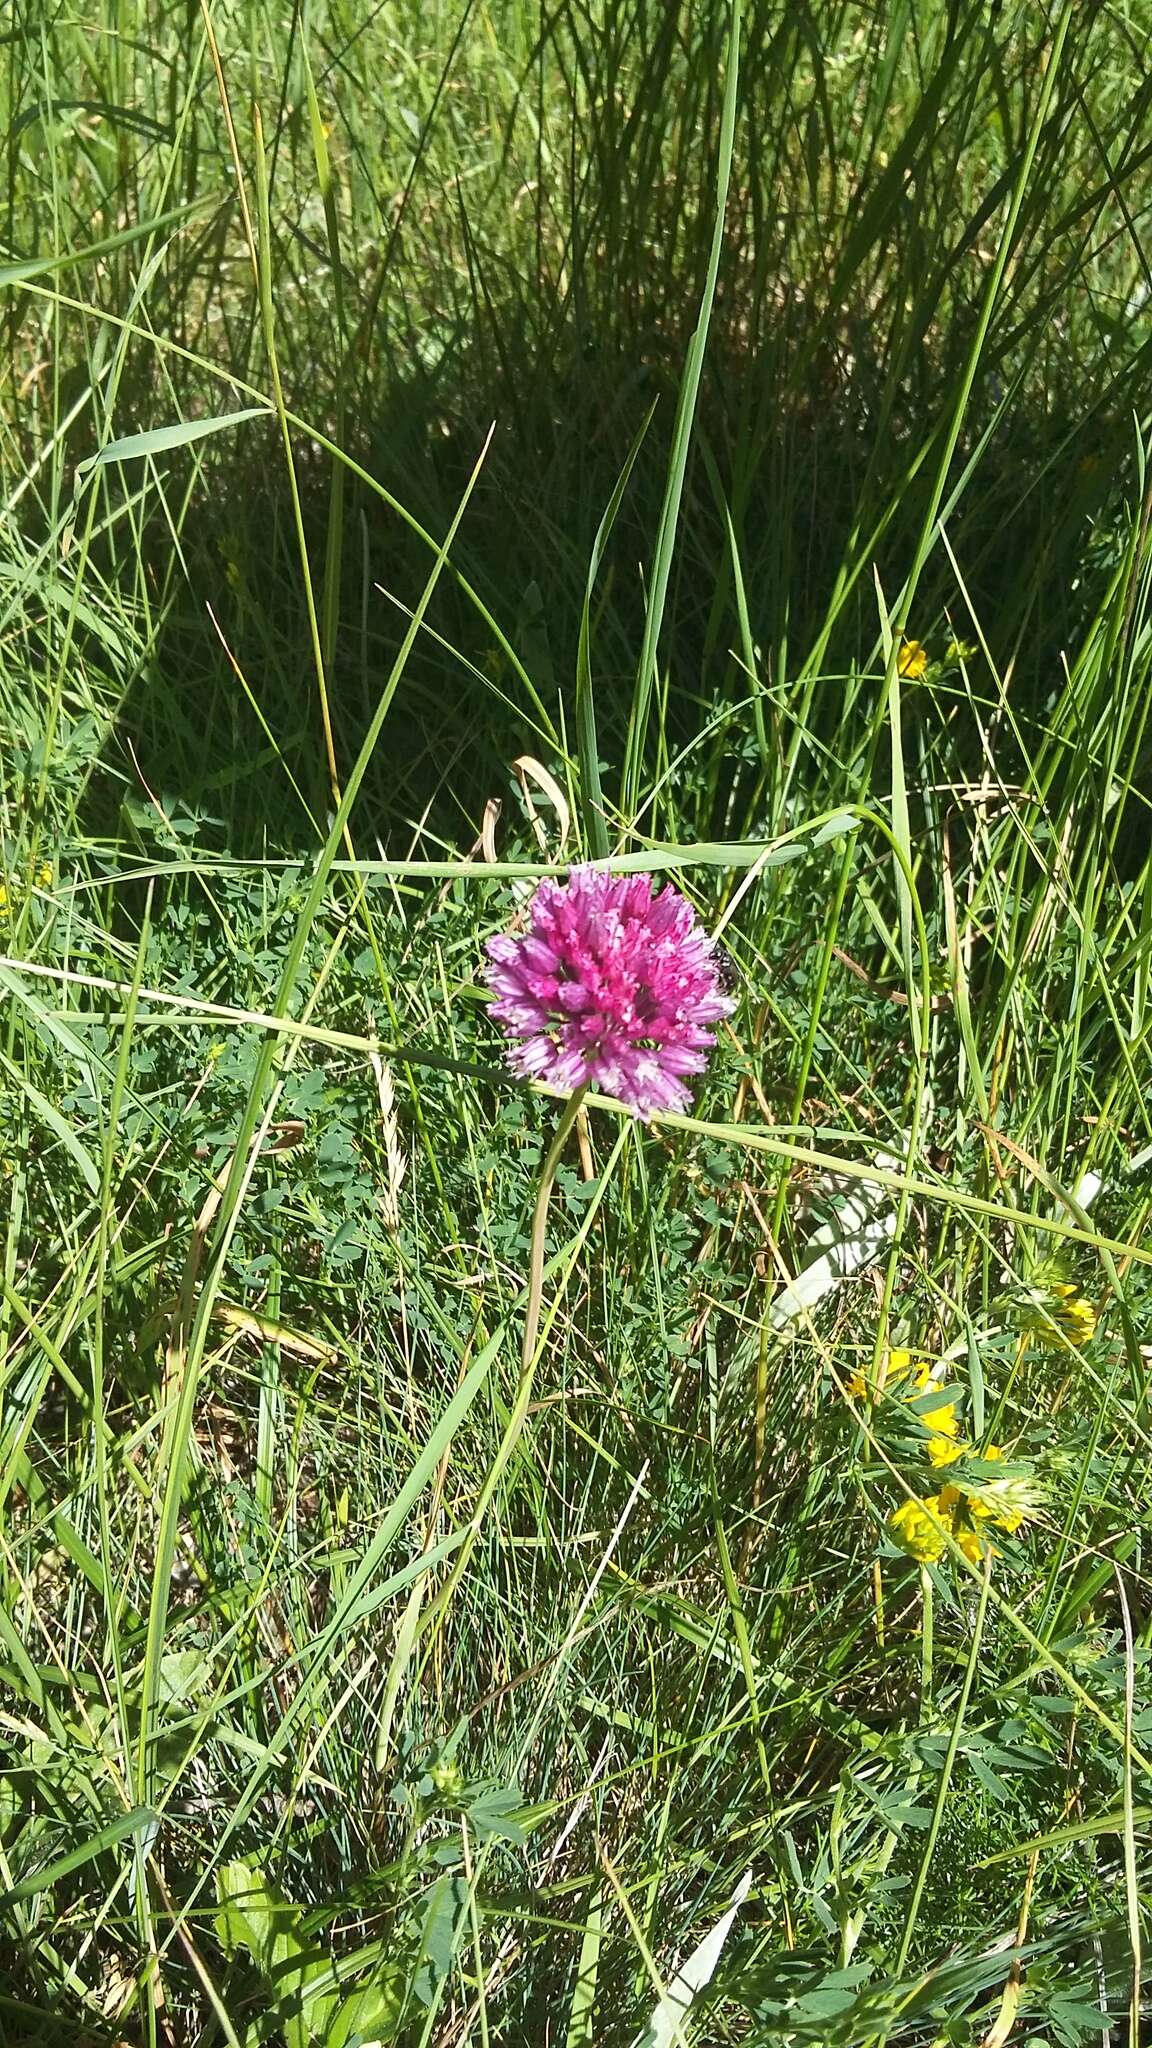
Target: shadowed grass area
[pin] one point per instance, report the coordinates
(354, 1686)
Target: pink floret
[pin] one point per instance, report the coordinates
(612, 986)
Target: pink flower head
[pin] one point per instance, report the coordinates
(611, 985)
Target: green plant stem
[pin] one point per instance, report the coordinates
(944, 1785)
(532, 1307)
(927, 1605)
(528, 1360)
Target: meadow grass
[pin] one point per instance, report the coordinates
(440, 443)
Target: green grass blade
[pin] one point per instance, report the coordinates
(681, 440)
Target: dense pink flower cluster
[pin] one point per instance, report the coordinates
(611, 985)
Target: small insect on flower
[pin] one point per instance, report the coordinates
(912, 660)
(611, 985)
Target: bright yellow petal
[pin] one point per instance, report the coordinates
(942, 1420)
(943, 1451)
(969, 1540)
(914, 1526)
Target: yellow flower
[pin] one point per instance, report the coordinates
(962, 1512)
(944, 1441)
(944, 1449)
(939, 1416)
(1006, 1502)
(981, 1509)
(916, 1527)
(912, 659)
(899, 1365)
(1073, 1314)
(42, 875)
(909, 1376)
(1060, 1303)
(957, 1510)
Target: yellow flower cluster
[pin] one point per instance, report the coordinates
(907, 1375)
(42, 879)
(899, 1367)
(913, 660)
(1073, 1315)
(1052, 1309)
(964, 1513)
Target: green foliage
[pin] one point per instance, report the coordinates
(325, 1716)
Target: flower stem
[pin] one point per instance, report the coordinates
(926, 1644)
(945, 1780)
(572, 1110)
(520, 1405)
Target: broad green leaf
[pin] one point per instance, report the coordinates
(665, 2029)
(442, 1923)
(251, 1914)
(157, 440)
(581, 2011)
(374, 2012)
